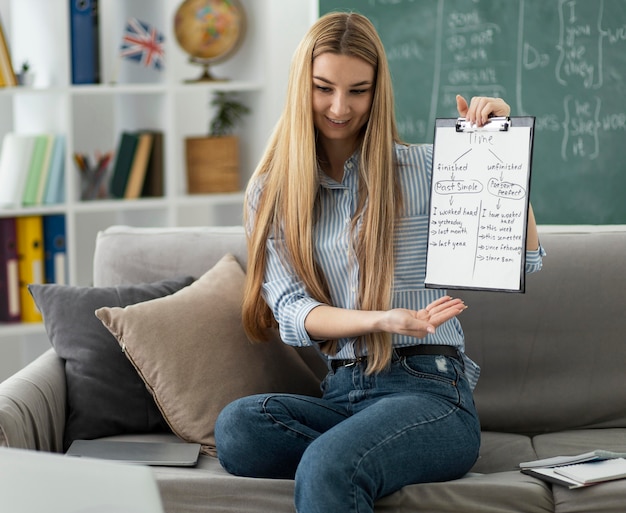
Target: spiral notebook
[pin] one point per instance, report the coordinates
(594, 471)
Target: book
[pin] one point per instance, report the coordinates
(55, 184)
(40, 159)
(593, 472)
(6, 66)
(15, 158)
(85, 41)
(153, 182)
(9, 275)
(139, 166)
(556, 461)
(54, 245)
(30, 256)
(45, 170)
(123, 163)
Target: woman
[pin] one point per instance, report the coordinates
(336, 215)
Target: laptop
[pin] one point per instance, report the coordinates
(171, 454)
(36, 482)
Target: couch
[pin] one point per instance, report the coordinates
(553, 376)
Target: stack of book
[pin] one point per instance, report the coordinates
(138, 167)
(32, 170)
(32, 250)
(578, 471)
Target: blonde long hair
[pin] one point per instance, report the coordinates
(290, 171)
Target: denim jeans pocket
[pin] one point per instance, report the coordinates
(439, 375)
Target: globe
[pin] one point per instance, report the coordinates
(210, 31)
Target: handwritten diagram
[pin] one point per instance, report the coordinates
(479, 202)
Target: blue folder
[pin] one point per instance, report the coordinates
(85, 41)
(54, 243)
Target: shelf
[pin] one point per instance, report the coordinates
(20, 90)
(230, 198)
(21, 328)
(232, 85)
(33, 211)
(164, 88)
(114, 205)
(160, 88)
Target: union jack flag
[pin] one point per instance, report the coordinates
(143, 43)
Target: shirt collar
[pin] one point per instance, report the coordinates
(349, 170)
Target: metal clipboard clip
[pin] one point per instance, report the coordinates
(495, 124)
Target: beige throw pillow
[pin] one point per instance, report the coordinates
(191, 351)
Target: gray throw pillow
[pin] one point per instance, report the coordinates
(105, 396)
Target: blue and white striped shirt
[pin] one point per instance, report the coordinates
(287, 296)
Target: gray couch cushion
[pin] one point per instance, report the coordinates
(209, 488)
(140, 255)
(604, 498)
(503, 492)
(547, 365)
(105, 396)
(501, 452)
(578, 441)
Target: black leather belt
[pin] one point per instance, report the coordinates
(420, 349)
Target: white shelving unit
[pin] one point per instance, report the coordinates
(131, 97)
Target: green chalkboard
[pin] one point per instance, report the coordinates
(562, 61)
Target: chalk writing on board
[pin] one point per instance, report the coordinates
(561, 61)
(479, 201)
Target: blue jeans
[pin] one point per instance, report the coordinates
(367, 437)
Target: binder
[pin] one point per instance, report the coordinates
(123, 163)
(55, 184)
(39, 160)
(30, 255)
(7, 74)
(15, 158)
(55, 253)
(9, 274)
(85, 41)
(139, 166)
(479, 199)
(153, 182)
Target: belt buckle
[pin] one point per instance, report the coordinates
(358, 359)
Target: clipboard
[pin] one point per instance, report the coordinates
(479, 198)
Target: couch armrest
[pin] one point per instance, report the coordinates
(32, 406)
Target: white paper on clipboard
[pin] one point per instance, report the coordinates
(479, 204)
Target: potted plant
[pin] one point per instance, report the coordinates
(213, 161)
(25, 76)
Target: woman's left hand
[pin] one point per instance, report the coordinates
(480, 108)
(419, 323)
